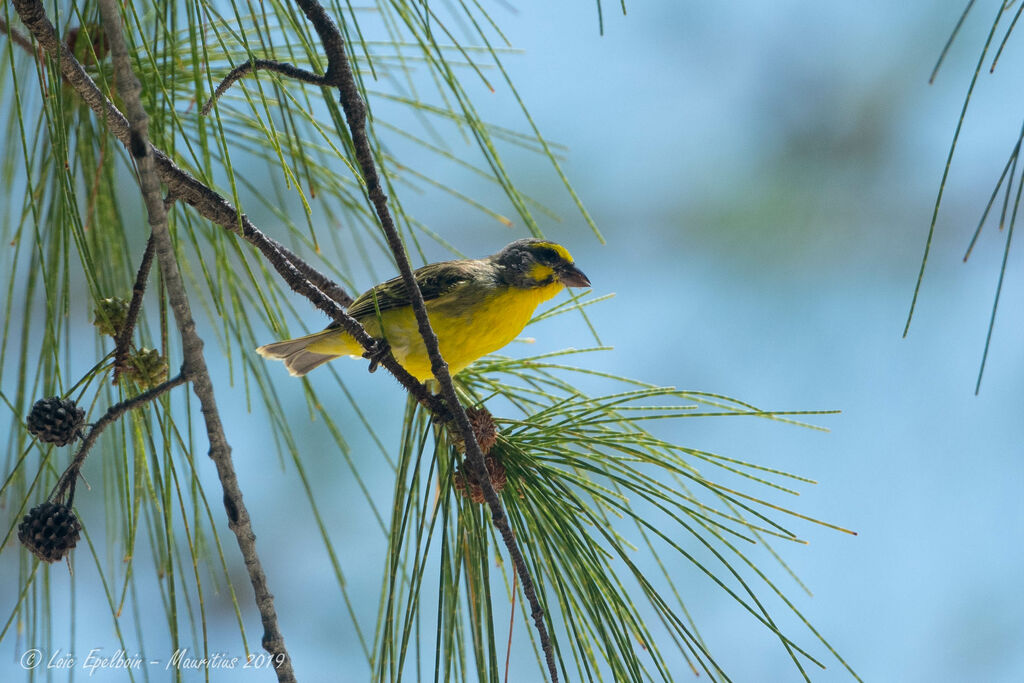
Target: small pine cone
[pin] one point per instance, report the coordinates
(55, 420)
(49, 531)
(475, 492)
(110, 316)
(499, 475)
(484, 429)
(147, 368)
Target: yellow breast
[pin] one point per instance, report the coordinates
(464, 332)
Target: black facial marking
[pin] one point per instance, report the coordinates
(517, 258)
(547, 255)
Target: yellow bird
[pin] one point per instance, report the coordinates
(476, 306)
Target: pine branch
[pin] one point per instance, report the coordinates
(322, 282)
(195, 363)
(249, 67)
(124, 335)
(339, 73)
(66, 484)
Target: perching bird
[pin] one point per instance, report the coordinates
(475, 306)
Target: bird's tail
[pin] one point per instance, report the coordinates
(297, 355)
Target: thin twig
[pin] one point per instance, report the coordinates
(66, 484)
(339, 73)
(254, 65)
(293, 276)
(124, 335)
(192, 346)
(323, 283)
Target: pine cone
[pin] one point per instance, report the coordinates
(55, 420)
(484, 429)
(475, 492)
(147, 368)
(49, 531)
(110, 315)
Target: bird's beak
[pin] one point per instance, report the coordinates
(571, 276)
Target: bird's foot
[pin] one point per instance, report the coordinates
(381, 349)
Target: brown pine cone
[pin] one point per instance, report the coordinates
(484, 429)
(55, 420)
(49, 531)
(469, 488)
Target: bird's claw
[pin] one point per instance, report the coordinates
(378, 353)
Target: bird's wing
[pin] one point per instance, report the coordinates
(435, 280)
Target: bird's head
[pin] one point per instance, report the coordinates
(537, 263)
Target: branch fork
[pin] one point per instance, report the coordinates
(64, 490)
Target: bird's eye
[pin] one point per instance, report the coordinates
(546, 255)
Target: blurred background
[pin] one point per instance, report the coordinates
(764, 176)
